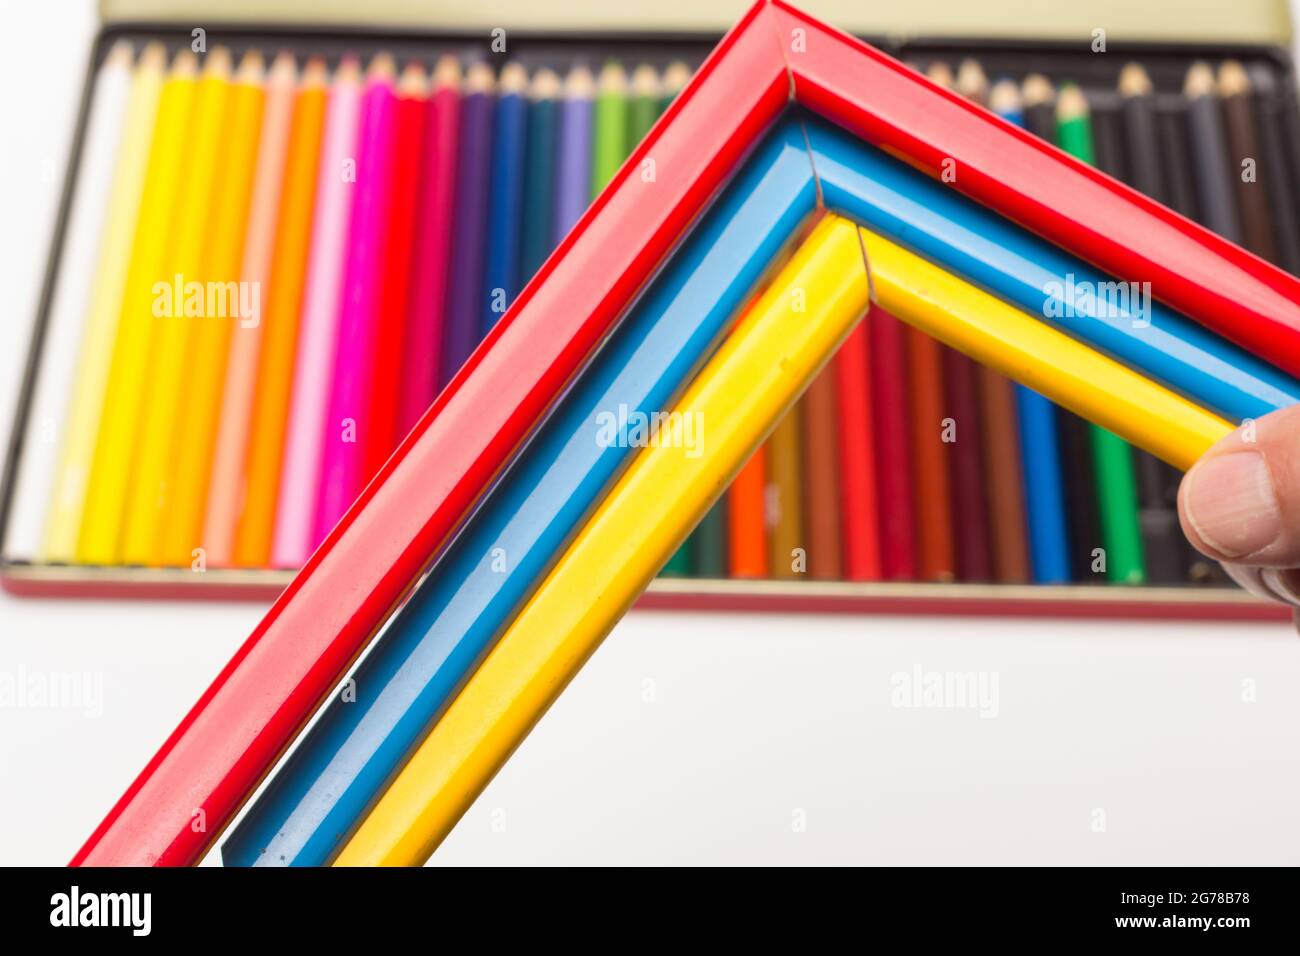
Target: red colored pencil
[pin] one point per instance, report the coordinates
(431, 256)
(887, 352)
(936, 558)
(859, 508)
(392, 341)
(970, 523)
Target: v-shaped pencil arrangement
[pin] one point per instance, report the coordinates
(801, 179)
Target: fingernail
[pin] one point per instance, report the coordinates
(1283, 583)
(1231, 503)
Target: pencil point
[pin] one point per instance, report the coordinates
(315, 73)
(414, 82)
(971, 80)
(613, 78)
(479, 78)
(218, 61)
(185, 64)
(1133, 80)
(579, 84)
(349, 70)
(1233, 80)
(676, 77)
(1200, 80)
(1037, 89)
(383, 68)
(446, 72)
(1005, 97)
(120, 55)
(645, 81)
(252, 68)
(1071, 103)
(545, 86)
(940, 73)
(513, 79)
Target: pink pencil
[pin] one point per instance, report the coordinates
(225, 490)
(432, 254)
(347, 425)
(295, 513)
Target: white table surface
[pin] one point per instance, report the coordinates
(690, 737)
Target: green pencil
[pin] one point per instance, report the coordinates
(1112, 457)
(609, 140)
(675, 79)
(643, 108)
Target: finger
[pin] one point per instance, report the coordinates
(1241, 502)
(1248, 578)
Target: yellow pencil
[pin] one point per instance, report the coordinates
(191, 462)
(1039, 356)
(99, 538)
(103, 307)
(179, 300)
(742, 392)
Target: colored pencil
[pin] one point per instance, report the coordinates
(469, 598)
(1212, 173)
(859, 502)
(194, 444)
(891, 424)
(347, 430)
(787, 544)
(1006, 555)
(107, 488)
(1253, 201)
(1045, 524)
(676, 76)
(268, 430)
(644, 104)
(47, 496)
(932, 501)
(744, 390)
(176, 315)
(1273, 167)
(227, 485)
(573, 151)
(1049, 361)
(747, 519)
(300, 474)
(397, 271)
(432, 253)
(465, 290)
(539, 177)
(709, 543)
(610, 144)
(502, 277)
(821, 504)
(1116, 486)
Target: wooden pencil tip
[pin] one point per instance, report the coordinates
(579, 84)
(185, 64)
(613, 78)
(1005, 97)
(676, 77)
(546, 85)
(153, 56)
(479, 78)
(1037, 89)
(513, 79)
(252, 68)
(446, 72)
(284, 67)
(1133, 80)
(218, 61)
(940, 73)
(349, 69)
(382, 68)
(414, 82)
(1071, 103)
(1199, 81)
(120, 55)
(972, 83)
(1233, 80)
(315, 73)
(645, 81)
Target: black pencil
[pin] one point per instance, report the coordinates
(1274, 169)
(1212, 175)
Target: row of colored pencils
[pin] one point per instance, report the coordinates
(270, 269)
(905, 461)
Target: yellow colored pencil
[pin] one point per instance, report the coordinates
(1039, 356)
(753, 379)
(104, 306)
(180, 290)
(190, 463)
(112, 463)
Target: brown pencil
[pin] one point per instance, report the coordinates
(786, 546)
(1238, 101)
(821, 485)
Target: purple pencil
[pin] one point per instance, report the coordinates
(573, 152)
(345, 433)
(465, 291)
(431, 258)
(295, 513)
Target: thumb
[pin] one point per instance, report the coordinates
(1241, 502)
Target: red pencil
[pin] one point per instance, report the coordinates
(431, 255)
(931, 459)
(857, 460)
(887, 351)
(970, 523)
(391, 339)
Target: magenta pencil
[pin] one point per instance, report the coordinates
(295, 513)
(431, 257)
(347, 425)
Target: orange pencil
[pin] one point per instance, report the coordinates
(226, 487)
(935, 559)
(787, 549)
(256, 518)
(746, 524)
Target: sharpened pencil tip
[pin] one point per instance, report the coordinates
(940, 73)
(972, 83)
(1037, 89)
(645, 81)
(1233, 79)
(446, 72)
(1200, 80)
(676, 77)
(1005, 97)
(1071, 103)
(119, 55)
(1133, 80)
(479, 78)
(546, 85)
(579, 84)
(513, 79)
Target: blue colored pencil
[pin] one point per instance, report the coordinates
(539, 174)
(458, 612)
(573, 151)
(469, 224)
(505, 206)
(1040, 460)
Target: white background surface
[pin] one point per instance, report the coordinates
(693, 738)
